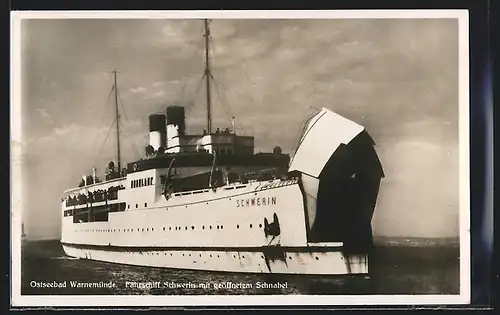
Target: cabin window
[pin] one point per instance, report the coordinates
(145, 204)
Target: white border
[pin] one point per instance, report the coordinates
(248, 300)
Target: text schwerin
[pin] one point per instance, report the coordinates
(72, 284)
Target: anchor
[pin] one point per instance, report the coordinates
(272, 229)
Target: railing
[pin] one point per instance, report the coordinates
(94, 196)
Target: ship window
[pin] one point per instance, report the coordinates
(136, 205)
(185, 227)
(142, 230)
(152, 229)
(203, 227)
(210, 227)
(128, 206)
(192, 227)
(146, 229)
(260, 225)
(145, 204)
(237, 226)
(163, 228)
(251, 225)
(170, 228)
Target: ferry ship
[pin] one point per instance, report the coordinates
(208, 202)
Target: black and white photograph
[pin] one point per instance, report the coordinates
(173, 158)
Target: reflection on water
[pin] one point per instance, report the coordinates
(393, 270)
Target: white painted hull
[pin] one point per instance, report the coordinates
(220, 230)
(305, 261)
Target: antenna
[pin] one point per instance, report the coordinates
(207, 76)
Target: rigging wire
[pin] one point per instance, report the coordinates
(104, 142)
(223, 99)
(226, 108)
(120, 103)
(195, 52)
(102, 115)
(187, 108)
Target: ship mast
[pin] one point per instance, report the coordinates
(207, 76)
(117, 113)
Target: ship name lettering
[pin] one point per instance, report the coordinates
(258, 201)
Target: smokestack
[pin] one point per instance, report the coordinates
(157, 131)
(84, 177)
(176, 123)
(233, 125)
(94, 174)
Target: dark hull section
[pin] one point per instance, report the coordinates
(347, 194)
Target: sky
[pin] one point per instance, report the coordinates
(397, 78)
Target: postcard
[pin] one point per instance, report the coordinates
(240, 158)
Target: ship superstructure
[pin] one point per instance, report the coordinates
(208, 202)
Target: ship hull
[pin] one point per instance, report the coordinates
(319, 259)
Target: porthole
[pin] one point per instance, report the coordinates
(222, 227)
(242, 256)
(189, 255)
(290, 257)
(147, 229)
(142, 230)
(234, 256)
(210, 255)
(317, 258)
(237, 226)
(186, 228)
(210, 227)
(182, 255)
(217, 227)
(170, 228)
(203, 227)
(251, 225)
(218, 256)
(200, 255)
(192, 227)
(163, 228)
(260, 225)
(152, 229)
(145, 205)
(136, 205)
